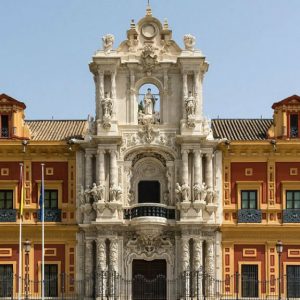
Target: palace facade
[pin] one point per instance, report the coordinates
(150, 199)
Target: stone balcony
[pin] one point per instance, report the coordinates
(149, 210)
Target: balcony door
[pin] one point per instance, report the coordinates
(149, 191)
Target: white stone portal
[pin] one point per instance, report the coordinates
(168, 144)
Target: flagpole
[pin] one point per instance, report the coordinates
(20, 232)
(43, 235)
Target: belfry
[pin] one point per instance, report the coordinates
(149, 176)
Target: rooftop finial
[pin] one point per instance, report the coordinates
(148, 10)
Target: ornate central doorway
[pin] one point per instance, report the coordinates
(149, 279)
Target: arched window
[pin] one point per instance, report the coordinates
(149, 103)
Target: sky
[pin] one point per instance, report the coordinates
(253, 47)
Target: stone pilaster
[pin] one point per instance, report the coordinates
(185, 248)
(113, 93)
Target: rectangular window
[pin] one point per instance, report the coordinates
(6, 280)
(250, 281)
(294, 126)
(6, 199)
(249, 199)
(51, 280)
(293, 199)
(4, 126)
(293, 279)
(51, 199)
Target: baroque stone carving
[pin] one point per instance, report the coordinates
(108, 42)
(115, 193)
(189, 42)
(149, 244)
(190, 107)
(148, 59)
(182, 192)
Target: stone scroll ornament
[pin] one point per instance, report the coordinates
(108, 42)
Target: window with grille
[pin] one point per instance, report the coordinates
(6, 280)
(249, 199)
(51, 199)
(293, 199)
(250, 281)
(4, 126)
(6, 199)
(293, 280)
(294, 131)
(51, 280)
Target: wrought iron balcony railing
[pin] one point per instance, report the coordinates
(249, 216)
(51, 215)
(149, 210)
(291, 216)
(4, 132)
(8, 215)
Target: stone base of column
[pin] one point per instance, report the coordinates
(112, 130)
(109, 212)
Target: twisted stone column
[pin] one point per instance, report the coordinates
(185, 247)
(198, 264)
(88, 268)
(210, 266)
(114, 259)
(101, 270)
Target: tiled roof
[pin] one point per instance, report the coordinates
(56, 130)
(241, 129)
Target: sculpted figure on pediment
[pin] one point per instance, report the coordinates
(189, 42)
(108, 42)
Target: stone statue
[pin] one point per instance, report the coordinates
(197, 192)
(107, 105)
(115, 192)
(101, 191)
(203, 192)
(189, 42)
(94, 192)
(190, 104)
(185, 192)
(178, 192)
(108, 41)
(149, 102)
(87, 195)
(215, 196)
(210, 194)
